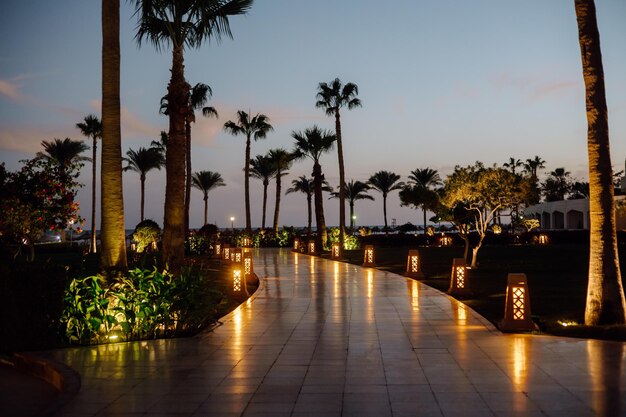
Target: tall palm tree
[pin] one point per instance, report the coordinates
(256, 127)
(281, 160)
(332, 97)
(307, 187)
(385, 182)
(91, 127)
(312, 144)
(113, 235)
(605, 294)
(181, 24)
(261, 167)
(355, 190)
(142, 161)
(64, 152)
(198, 96)
(160, 144)
(205, 181)
(423, 179)
(513, 164)
(531, 167)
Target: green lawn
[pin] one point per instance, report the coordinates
(557, 280)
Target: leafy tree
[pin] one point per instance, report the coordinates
(256, 127)
(306, 186)
(142, 161)
(91, 127)
(332, 97)
(281, 161)
(312, 144)
(417, 195)
(558, 185)
(261, 167)
(205, 181)
(605, 294)
(185, 24)
(385, 182)
(355, 190)
(38, 197)
(579, 190)
(113, 234)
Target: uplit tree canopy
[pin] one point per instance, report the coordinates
(483, 192)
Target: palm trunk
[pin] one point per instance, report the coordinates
(93, 248)
(277, 203)
(342, 181)
(142, 179)
(187, 174)
(113, 255)
(605, 294)
(309, 203)
(385, 210)
(265, 184)
(320, 221)
(174, 213)
(424, 212)
(206, 208)
(352, 215)
(247, 186)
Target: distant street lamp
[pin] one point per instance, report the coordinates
(232, 224)
(353, 220)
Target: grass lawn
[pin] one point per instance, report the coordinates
(557, 280)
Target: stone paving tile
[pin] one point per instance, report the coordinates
(326, 339)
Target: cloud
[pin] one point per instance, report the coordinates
(11, 89)
(132, 125)
(28, 138)
(533, 88)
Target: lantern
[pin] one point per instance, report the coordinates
(245, 242)
(155, 247)
(248, 266)
(459, 279)
(226, 251)
(517, 305)
(445, 240)
(218, 249)
(296, 245)
(543, 239)
(239, 282)
(133, 246)
(368, 256)
(413, 265)
(335, 251)
(236, 255)
(311, 247)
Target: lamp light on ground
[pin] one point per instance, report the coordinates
(296, 245)
(445, 240)
(335, 251)
(413, 265)
(517, 305)
(459, 279)
(369, 258)
(543, 239)
(311, 247)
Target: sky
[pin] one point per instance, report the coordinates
(442, 83)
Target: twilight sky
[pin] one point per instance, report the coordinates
(443, 83)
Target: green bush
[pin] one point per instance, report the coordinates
(350, 242)
(145, 233)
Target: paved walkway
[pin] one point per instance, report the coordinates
(322, 338)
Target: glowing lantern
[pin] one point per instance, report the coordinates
(236, 255)
(497, 229)
(248, 266)
(239, 282)
(218, 249)
(311, 247)
(459, 279)
(245, 242)
(133, 246)
(296, 245)
(368, 256)
(226, 252)
(335, 251)
(445, 240)
(517, 305)
(154, 246)
(543, 239)
(413, 265)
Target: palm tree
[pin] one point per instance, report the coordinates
(306, 186)
(160, 144)
(331, 97)
(513, 164)
(113, 235)
(142, 161)
(205, 181)
(355, 190)
(423, 180)
(91, 126)
(385, 182)
(198, 96)
(605, 294)
(312, 144)
(181, 24)
(557, 185)
(531, 167)
(281, 161)
(64, 152)
(261, 167)
(256, 127)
